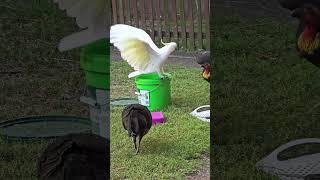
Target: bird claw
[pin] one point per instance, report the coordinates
(161, 77)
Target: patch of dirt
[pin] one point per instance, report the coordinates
(204, 172)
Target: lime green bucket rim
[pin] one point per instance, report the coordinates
(152, 78)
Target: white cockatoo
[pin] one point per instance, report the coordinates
(138, 49)
(90, 14)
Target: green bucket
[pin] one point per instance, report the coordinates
(95, 61)
(153, 92)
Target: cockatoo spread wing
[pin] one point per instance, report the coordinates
(135, 46)
(89, 14)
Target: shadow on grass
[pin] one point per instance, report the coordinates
(159, 147)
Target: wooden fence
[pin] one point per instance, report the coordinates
(183, 21)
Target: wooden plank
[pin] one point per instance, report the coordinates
(199, 12)
(120, 8)
(191, 24)
(148, 13)
(175, 24)
(158, 21)
(127, 12)
(142, 6)
(114, 12)
(157, 6)
(183, 24)
(171, 20)
(130, 12)
(166, 21)
(207, 16)
(148, 9)
(152, 20)
(135, 13)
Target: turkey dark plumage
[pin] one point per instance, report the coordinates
(75, 156)
(137, 120)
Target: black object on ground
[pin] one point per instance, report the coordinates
(137, 120)
(79, 156)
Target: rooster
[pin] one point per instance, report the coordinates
(137, 120)
(308, 33)
(204, 61)
(203, 112)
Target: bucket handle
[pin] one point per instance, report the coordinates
(138, 93)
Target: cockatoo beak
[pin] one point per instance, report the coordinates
(164, 43)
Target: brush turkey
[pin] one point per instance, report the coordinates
(204, 61)
(136, 120)
(308, 36)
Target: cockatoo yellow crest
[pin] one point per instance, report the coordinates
(138, 49)
(90, 14)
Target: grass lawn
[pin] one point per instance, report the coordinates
(171, 150)
(45, 81)
(263, 91)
